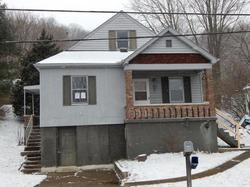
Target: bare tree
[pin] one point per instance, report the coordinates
(157, 22)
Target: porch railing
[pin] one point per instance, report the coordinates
(28, 129)
(169, 111)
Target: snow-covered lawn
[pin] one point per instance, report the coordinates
(10, 159)
(169, 165)
(238, 176)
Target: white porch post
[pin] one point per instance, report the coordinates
(24, 103)
(33, 108)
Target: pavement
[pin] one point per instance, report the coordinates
(86, 178)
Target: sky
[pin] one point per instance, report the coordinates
(87, 21)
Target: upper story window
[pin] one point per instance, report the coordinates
(168, 43)
(122, 39)
(79, 89)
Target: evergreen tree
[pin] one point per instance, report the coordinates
(29, 74)
(7, 54)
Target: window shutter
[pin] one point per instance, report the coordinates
(187, 89)
(112, 40)
(165, 89)
(92, 90)
(132, 41)
(66, 90)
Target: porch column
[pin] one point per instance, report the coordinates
(24, 102)
(210, 90)
(129, 92)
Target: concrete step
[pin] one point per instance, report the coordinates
(32, 162)
(30, 171)
(31, 153)
(32, 166)
(34, 137)
(33, 158)
(32, 148)
(33, 144)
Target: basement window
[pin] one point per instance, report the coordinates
(168, 43)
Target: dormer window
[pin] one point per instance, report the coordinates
(122, 39)
(168, 43)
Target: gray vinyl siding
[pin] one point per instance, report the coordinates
(196, 87)
(121, 22)
(156, 90)
(109, 108)
(177, 47)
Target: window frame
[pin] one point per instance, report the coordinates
(142, 102)
(169, 42)
(86, 89)
(183, 90)
(122, 39)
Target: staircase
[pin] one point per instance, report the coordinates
(226, 137)
(32, 150)
(228, 129)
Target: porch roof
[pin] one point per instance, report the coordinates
(34, 89)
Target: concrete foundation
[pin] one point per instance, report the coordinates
(100, 144)
(162, 136)
(104, 144)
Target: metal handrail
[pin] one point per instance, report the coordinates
(28, 130)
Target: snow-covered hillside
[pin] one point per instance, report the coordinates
(10, 159)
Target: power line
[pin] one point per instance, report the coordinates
(128, 12)
(138, 37)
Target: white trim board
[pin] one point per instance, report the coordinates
(167, 66)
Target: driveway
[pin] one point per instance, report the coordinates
(89, 178)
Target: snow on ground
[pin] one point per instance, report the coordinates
(238, 176)
(169, 165)
(10, 159)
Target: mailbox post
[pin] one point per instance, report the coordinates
(188, 150)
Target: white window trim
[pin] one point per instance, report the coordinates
(72, 100)
(122, 39)
(142, 102)
(183, 98)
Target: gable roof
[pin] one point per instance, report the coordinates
(89, 35)
(188, 42)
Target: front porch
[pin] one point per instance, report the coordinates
(169, 94)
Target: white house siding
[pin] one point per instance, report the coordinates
(110, 98)
(155, 89)
(177, 47)
(121, 22)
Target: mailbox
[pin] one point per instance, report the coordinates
(188, 148)
(194, 162)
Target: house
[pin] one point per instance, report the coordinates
(103, 100)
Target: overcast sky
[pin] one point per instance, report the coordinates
(87, 21)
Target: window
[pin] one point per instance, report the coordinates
(122, 39)
(168, 43)
(79, 89)
(176, 90)
(141, 91)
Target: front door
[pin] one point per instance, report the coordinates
(67, 146)
(141, 91)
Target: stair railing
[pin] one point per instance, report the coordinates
(237, 126)
(28, 130)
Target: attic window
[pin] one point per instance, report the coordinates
(168, 43)
(122, 39)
